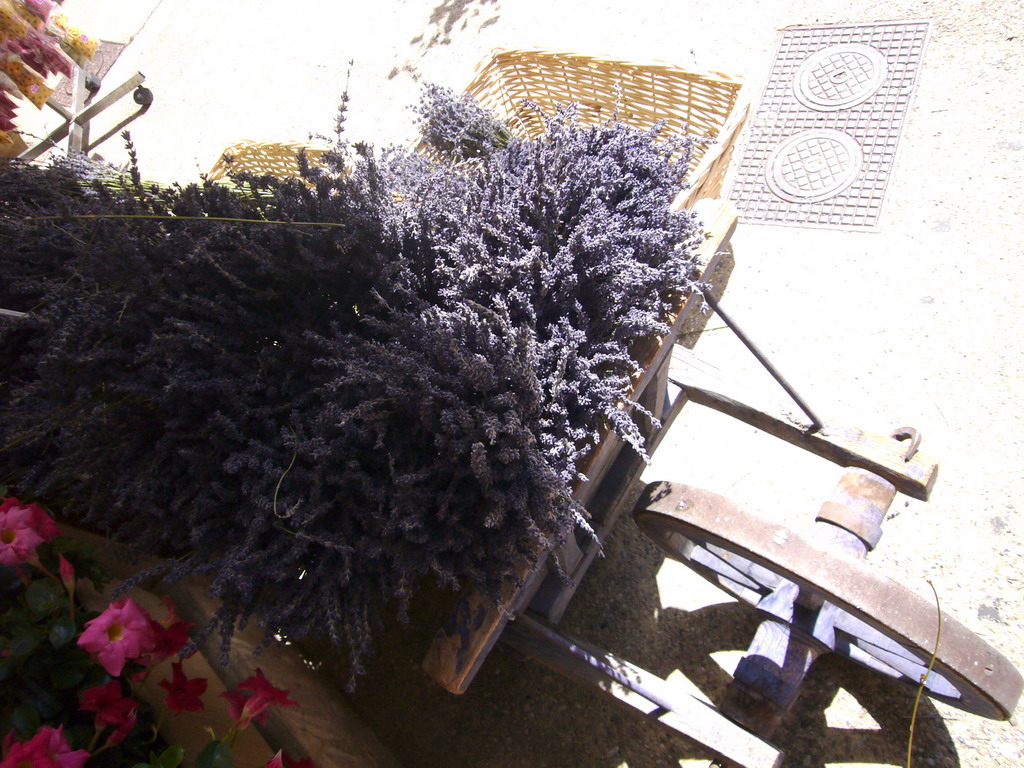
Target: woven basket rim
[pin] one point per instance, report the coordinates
(488, 75)
(554, 53)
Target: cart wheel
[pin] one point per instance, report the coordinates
(143, 96)
(878, 623)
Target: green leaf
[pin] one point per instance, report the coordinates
(216, 754)
(43, 597)
(9, 581)
(67, 675)
(74, 549)
(142, 765)
(97, 676)
(62, 631)
(171, 757)
(7, 666)
(25, 719)
(25, 640)
(79, 735)
(48, 703)
(19, 614)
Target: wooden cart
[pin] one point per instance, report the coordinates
(817, 596)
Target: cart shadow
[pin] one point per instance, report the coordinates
(869, 724)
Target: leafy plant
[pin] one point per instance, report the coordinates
(321, 417)
(42, 669)
(67, 676)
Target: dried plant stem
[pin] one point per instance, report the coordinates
(281, 480)
(924, 677)
(158, 217)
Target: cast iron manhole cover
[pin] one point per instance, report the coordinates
(813, 165)
(822, 144)
(839, 77)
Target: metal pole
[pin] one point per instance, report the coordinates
(77, 138)
(816, 423)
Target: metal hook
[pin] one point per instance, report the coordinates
(911, 434)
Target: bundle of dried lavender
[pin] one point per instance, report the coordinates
(321, 417)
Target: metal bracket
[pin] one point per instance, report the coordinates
(862, 526)
(76, 121)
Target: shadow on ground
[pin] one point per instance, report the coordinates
(448, 18)
(666, 640)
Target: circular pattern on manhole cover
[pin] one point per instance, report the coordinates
(813, 165)
(839, 77)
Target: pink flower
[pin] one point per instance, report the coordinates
(109, 704)
(169, 637)
(23, 527)
(111, 708)
(123, 631)
(251, 698)
(41, 521)
(120, 733)
(282, 760)
(183, 695)
(32, 753)
(67, 574)
(41, 8)
(47, 749)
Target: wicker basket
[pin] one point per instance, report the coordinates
(701, 105)
(639, 94)
(265, 158)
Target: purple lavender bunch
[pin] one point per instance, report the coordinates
(322, 418)
(456, 126)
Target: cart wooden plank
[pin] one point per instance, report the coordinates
(688, 715)
(844, 445)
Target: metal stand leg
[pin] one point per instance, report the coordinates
(78, 132)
